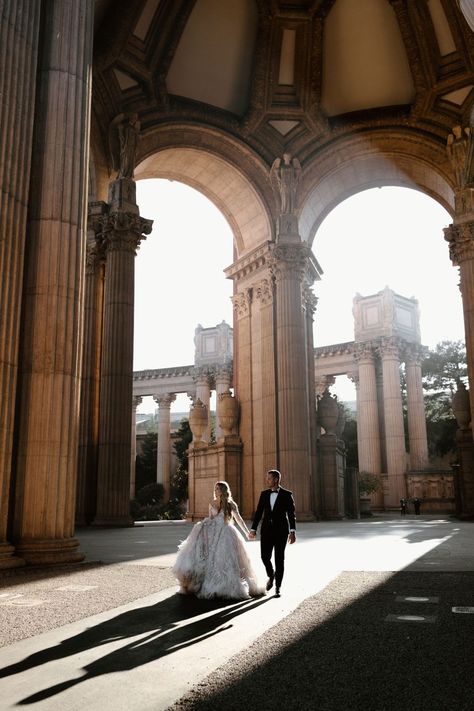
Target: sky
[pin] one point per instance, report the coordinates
(381, 237)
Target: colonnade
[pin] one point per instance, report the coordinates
(380, 426)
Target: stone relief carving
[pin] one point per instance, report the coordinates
(459, 147)
(241, 302)
(124, 136)
(285, 175)
(264, 292)
(461, 242)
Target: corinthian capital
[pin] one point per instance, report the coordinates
(264, 292)
(414, 353)
(461, 242)
(364, 352)
(389, 347)
(241, 302)
(289, 260)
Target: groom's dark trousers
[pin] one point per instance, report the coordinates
(275, 529)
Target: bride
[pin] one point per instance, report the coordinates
(212, 561)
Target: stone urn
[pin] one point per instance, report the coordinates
(228, 412)
(328, 413)
(198, 420)
(461, 406)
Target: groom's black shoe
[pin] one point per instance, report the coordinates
(269, 584)
(277, 592)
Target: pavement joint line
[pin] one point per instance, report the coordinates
(411, 618)
(417, 599)
(463, 609)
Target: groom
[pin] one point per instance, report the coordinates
(277, 507)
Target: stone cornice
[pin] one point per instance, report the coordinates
(335, 349)
(161, 373)
(251, 262)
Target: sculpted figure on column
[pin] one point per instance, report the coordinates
(124, 135)
(460, 149)
(285, 175)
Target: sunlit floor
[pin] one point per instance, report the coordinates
(155, 646)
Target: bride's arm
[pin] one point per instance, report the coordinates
(238, 518)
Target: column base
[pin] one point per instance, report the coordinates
(113, 522)
(47, 551)
(8, 559)
(306, 516)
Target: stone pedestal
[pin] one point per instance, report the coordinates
(211, 463)
(49, 383)
(331, 471)
(125, 229)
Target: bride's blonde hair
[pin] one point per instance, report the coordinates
(226, 498)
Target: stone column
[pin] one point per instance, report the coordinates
(86, 499)
(368, 432)
(310, 303)
(48, 395)
(223, 380)
(19, 32)
(202, 378)
(461, 250)
(394, 428)
(417, 436)
(242, 302)
(264, 299)
(289, 266)
(136, 401)
(125, 230)
(163, 458)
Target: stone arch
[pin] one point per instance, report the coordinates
(369, 161)
(232, 178)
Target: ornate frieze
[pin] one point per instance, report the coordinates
(461, 242)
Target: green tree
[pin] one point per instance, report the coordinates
(443, 369)
(179, 480)
(349, 437)
(145, 470)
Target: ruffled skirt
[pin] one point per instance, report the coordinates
(213, 563)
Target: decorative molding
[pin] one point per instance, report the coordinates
(242, 303)
(263, 292)
(164, 400)
(461, 242)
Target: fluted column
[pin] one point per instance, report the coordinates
(136, 401)
(125, 229)
(289, 267)
(19, 31)
(242, 302)
(223, 380)
(264, 300)
(88, 450)
(49, 383)
(368, 431)
(310, 302)
(393, 415)
(418, 440)
(163, 459)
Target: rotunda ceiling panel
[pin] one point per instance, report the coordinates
(442, 30)
(364, 60)
(213, 60)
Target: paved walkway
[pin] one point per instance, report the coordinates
(131, 643)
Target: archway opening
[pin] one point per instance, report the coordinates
(390, 236)
(179, 278)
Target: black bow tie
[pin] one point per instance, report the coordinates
(274, 491)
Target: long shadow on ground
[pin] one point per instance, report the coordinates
(154, 631)
(347, 649)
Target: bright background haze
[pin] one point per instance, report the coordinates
(381, 237)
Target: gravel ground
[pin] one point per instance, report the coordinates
(35, 601)
(341, 651)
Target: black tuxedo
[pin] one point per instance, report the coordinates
(276, 525)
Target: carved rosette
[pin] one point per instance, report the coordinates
(264, 292)
(461, 242)
(242, 302)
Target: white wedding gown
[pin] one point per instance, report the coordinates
(213, 561)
